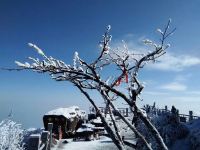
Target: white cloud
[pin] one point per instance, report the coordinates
(181, 78)
(129, 35)
(167, 62)
(194, 93)
(185, 98)
(174, 86)
(156, 93)
(171, 62)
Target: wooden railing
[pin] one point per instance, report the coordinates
(124, 111)
(43, 141)
(183, 117)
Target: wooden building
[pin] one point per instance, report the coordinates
(65, 121)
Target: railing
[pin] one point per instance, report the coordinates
(183, 117)
(124, 111)
(43, 141)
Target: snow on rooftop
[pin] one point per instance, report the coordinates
(84, 130)
(104, 143)
(31, 129)
(88, 125)
(99, 128)
(97, 120)
(69, 112)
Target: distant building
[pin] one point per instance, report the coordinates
(65, 121)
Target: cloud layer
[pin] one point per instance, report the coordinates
(174, 86)
(171, 62)
(168, 62)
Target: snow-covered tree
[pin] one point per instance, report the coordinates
(11, 135)
(123, 85)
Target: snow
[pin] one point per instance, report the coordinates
(69, 112)
(99, 128)
(31, 129)
(147, 41)
(37, 49)
(86, 127)
(108, 27)
(76, 57)
(167, 46)
(160, 31)
(20, 64)
(98, 120)
(144, 112)
(84, 130)
(103, 144)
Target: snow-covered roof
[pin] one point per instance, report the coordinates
(84, 130)
(82, 113)
(86, 127)
(97, 120)
(99, 128)
(69, 112)
(31, 129)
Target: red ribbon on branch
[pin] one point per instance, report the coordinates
(125, 78)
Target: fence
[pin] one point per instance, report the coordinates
(43, 141)
(182, 117)
(124, 111)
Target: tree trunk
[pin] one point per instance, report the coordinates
(137, 133)
(114, 138)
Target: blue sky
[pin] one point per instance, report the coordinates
(62, 27)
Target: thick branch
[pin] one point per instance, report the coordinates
(137, 133)
(106, 125)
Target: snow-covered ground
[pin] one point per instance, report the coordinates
(104, 143)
